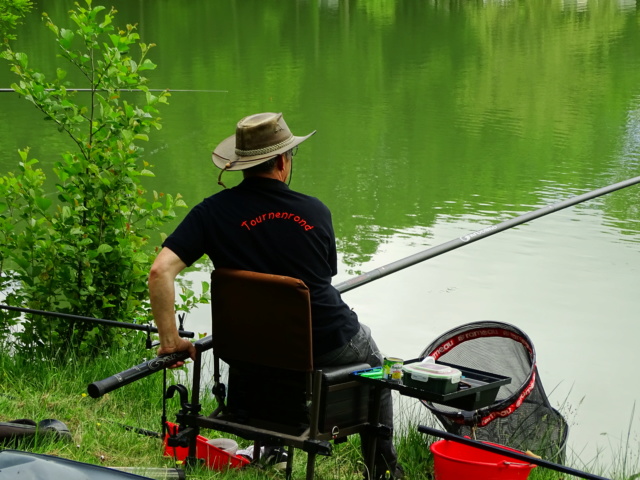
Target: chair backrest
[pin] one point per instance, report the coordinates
(261, 319)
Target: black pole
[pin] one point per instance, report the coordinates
(508, 453)
(109, 323)
(475, 236)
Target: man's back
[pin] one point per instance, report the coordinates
(262, 225)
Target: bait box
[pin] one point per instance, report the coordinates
(434, 378)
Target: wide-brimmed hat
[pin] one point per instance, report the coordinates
(258, 138)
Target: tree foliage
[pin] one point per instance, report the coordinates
(85, 248)
(11, 13)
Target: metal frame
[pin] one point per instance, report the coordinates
(310, 438)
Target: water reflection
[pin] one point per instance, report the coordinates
(583, 5)
(434, 119)
(630, 154)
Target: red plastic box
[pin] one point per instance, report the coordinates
(214, 457)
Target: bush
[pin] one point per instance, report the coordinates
(86, 251)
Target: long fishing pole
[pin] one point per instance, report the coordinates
(475, 236)
(101, 387)
(6, 90)
(110, 323)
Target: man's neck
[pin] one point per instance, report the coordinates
(273, 174)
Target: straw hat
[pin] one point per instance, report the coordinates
(258, 138)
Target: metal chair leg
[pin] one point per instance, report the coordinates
(311, 465)
(257, 447)
(289, 469)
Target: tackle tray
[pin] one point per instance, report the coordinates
(477, 389)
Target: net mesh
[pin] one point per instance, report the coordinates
(521, 416)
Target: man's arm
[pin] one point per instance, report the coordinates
(162, 276)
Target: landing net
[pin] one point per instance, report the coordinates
(521, 416)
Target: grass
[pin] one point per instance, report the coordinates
(39, 389)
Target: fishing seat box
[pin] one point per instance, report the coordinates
(344, 402)
(258, 395)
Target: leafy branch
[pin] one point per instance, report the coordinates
(88, 252)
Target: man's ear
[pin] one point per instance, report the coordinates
(281, 162)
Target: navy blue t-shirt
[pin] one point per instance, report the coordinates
(263, 226)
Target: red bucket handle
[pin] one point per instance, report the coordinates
(517, 465)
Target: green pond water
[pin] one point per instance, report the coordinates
(434, 119)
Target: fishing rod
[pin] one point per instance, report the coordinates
(6, 90)
(101, 387)
(508, 453)
(475, 236)
(102, 321)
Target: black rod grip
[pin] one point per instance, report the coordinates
(100, 387)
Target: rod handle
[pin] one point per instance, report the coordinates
(100, 387)
(144, 369)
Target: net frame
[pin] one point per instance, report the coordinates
(443, 345)
(521, 415)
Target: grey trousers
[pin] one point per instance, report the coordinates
(362, 348)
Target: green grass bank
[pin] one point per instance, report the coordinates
(40, 389)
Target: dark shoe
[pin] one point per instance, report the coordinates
(274, 455)
(55, 427)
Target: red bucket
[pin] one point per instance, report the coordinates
(454, 461)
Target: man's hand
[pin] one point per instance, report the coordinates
(182, 345)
